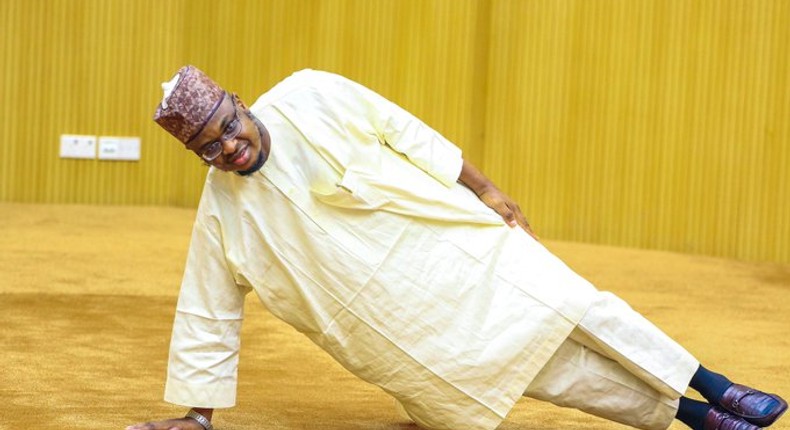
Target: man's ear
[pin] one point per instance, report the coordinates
(238, 101)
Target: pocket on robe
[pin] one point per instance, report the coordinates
(352, 193)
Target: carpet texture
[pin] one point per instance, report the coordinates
(87, 297)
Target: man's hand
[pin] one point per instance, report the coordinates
(494, 198)
(506, 208)
(174, 424)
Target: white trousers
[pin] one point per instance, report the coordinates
(617, 365)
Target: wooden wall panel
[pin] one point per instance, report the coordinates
(650, 123)
(659, 124)
(83, 67)
(94, 67)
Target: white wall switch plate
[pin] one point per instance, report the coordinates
(119, 148)
(77, 146)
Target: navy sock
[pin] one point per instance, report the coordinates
(692, 413)
(711, 385)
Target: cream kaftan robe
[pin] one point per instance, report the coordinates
(356, 233)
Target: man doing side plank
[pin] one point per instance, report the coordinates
(367, 231)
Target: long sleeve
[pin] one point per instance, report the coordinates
(423, 146)
(204, 349)
(331, 111)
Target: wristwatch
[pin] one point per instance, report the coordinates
(200, 419)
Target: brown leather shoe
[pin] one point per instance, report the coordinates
(717, 419)
(752, 405)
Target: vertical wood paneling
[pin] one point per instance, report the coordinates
(659, 124)
(651, 123)
(94, 67)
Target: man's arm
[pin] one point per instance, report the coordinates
(493, 197)
(202, 367)
(423, 146)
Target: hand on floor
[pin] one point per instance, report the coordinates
(174, 424)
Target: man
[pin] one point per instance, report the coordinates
(367, 231)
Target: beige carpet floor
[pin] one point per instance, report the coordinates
(87, 296)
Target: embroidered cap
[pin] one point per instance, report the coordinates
(189, 100)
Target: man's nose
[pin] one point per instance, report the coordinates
(228, 146)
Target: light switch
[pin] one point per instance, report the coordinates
(119, 148)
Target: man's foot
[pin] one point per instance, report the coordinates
(717, 419)
(752, 405)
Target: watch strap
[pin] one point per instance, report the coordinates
(200, 419)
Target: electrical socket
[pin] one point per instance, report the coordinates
(77, 146)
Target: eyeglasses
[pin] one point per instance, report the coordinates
(213, 149)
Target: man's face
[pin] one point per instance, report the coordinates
(230, 140)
